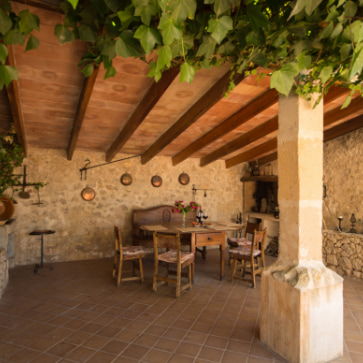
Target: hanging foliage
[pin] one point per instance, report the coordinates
(305, 45)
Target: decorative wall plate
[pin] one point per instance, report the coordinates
(184, 179)
(126, 179)
(88, 194)
(156, 181)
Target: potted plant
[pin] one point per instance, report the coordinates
(11, 156)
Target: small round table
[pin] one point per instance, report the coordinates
(41, 233)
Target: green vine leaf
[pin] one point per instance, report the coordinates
(3, 53)
(28, 22)
(8, 74)
(32, 43)
(63, 34)
(182, 9)
(13, 36)
(220, 27)
(127, 46)
(283, 79)
(148, 37)
(170, 31)
(5, 22)
(187, 72)
(164, 58)
(74, 3)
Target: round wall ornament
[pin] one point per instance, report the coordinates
(88, 194)
(156, 181)
(126, 179)
(184, 179)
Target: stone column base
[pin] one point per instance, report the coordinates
(302, 312)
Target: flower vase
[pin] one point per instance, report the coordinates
(184, 220)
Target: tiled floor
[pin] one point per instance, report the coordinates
(75, 313)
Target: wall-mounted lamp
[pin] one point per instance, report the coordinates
(194, 190)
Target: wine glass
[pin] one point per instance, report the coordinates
(205, 215)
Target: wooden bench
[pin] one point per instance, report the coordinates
(151, 216)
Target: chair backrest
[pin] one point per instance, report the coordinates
(251, 228)
(164, 240)
(118, 240)
(259, 238)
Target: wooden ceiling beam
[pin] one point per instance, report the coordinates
(267, 159)
(86, 92)
(260, 131)
(209, 99)
(151, 97)
(342, 129)
(242, 141)
(338, 113)
(339, 130)
(15, 105)
(52, 5)
(253, 153)
(264, 101)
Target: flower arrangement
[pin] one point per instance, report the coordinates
(184, 208)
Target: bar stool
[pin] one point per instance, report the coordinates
(41, 233)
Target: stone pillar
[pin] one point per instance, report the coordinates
(301, 300)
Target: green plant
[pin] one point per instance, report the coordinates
(305, 45)
(15, 29)
(11, 156)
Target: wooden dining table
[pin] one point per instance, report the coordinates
(211, 234)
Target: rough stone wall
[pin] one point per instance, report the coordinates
(343, 176)
(84, 230)
(4, 270)
(343, 253)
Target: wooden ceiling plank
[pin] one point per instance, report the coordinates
(268, 158)
(342, 129)
(151, 97)
(52, 5)
(84, 98)
(242, 141)
(338, 113)
(253, 153)
(209, 99)
(260, 131)
(335, 92)
(264, 101)
(15, 105)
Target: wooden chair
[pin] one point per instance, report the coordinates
(248, 236)
(172, 256)
(127, 253)
(245, 241)
(251, 257)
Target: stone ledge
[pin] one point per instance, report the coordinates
(309, 275)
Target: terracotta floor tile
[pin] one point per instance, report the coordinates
(146, 340)
(24, 356)
(157, 356)
(229, 357)
(114, 347)
(135, 351)
(80, 354)
(166, 344)
(180, 359)
(101, 357)
(211, 354)
(61, 349)
(55, 317)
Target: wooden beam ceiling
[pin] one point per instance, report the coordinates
(253, 153)
(264, 101)
(84, 98)
(15, 105)
(151, 97)
(209, 99)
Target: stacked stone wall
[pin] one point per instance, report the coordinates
(84, 229)
(343, 253)
(343, 178)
